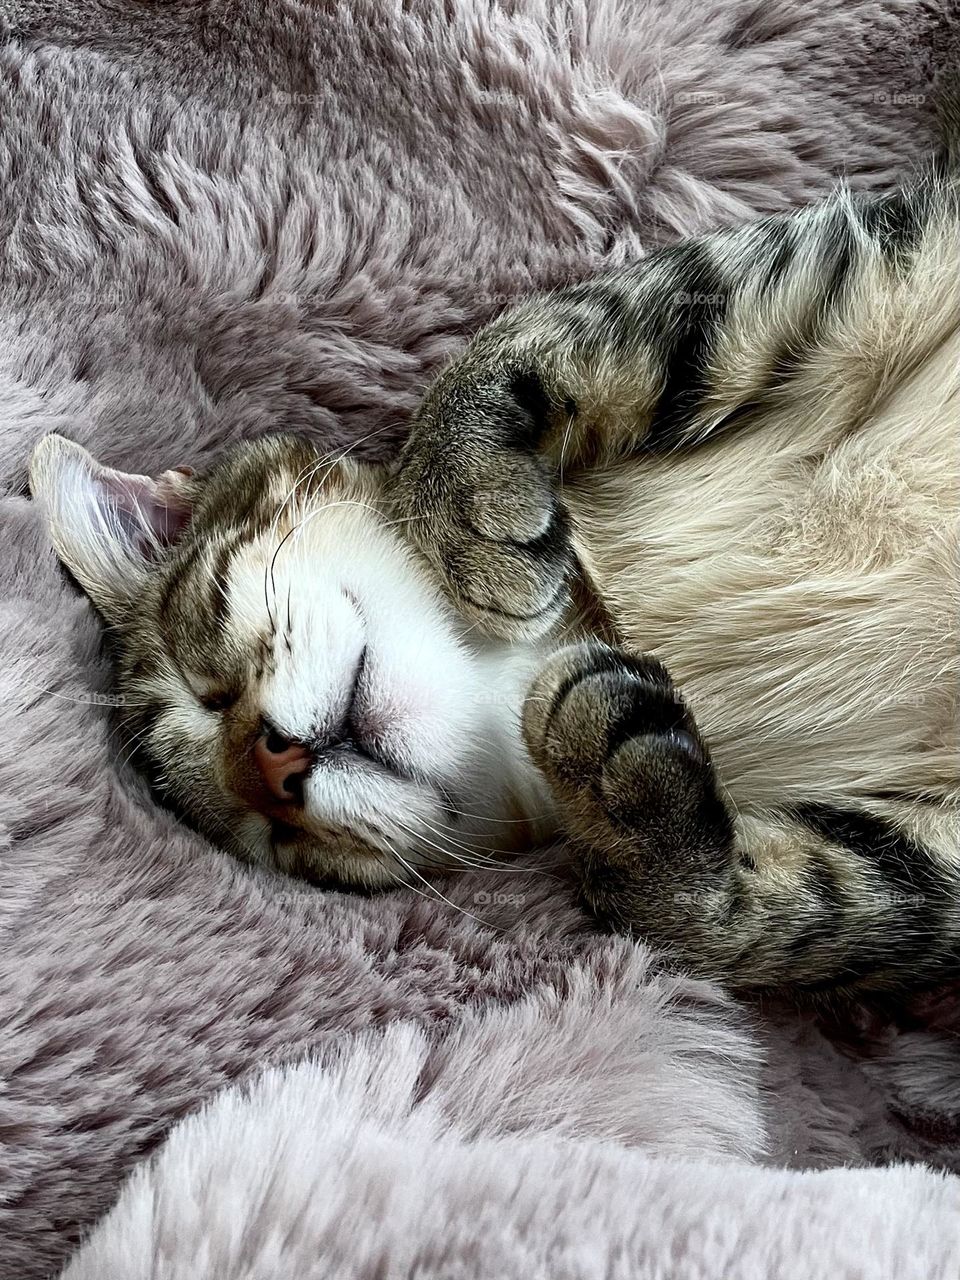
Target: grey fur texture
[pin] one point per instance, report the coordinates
(224, 220)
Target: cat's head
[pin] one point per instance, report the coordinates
(290, 676)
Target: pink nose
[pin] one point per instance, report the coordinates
(283, 764)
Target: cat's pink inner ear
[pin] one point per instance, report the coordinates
(174, 503)
(152, 512)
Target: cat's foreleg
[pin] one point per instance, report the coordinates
(814, 897)
(659, 356)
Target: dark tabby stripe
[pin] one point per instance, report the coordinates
(896, 221)
(904, 864)
(219, 604)
(781, 237)
(607, 314)
(686, 337)
(839, 259)
(918, 896)
(604, 662)
(177, 591)
(825, 925)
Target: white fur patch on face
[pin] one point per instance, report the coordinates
(413, 727)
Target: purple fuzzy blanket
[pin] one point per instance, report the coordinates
(220, 219)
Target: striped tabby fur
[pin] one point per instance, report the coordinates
(709, 505)
(746, 450)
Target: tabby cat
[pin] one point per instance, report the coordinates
(669, 562)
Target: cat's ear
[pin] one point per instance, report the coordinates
(107, 526)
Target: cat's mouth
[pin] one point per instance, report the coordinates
(351, 790)
(353, 753)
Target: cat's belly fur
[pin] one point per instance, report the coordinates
(805, 597)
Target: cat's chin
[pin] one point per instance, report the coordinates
(389, 831)
(336, 861)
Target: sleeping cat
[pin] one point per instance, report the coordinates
(669, 562)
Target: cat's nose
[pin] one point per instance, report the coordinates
(283, 764)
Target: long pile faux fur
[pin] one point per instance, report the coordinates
(224, 219)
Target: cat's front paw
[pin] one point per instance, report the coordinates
(480, 501)
(591, 704)
(625, 760)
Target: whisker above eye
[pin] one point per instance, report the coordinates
(273, 581)
(308, 473)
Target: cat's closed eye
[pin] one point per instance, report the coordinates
(219, 699)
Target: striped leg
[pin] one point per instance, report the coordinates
(661, 356)
(814, 898)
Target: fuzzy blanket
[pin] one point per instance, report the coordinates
(220, 219)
